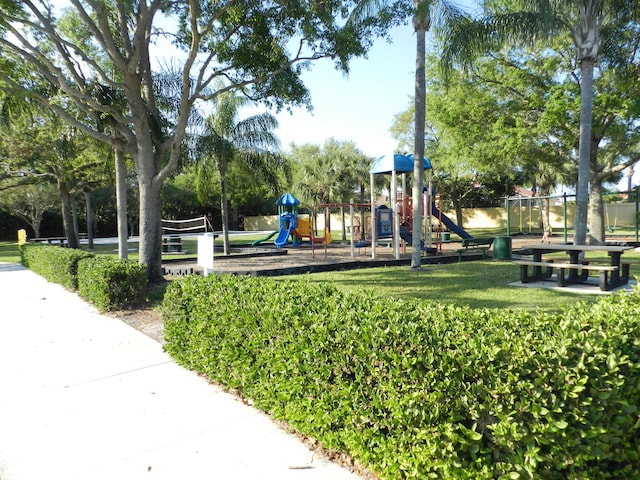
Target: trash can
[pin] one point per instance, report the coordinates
(446, 236)
(502, 248)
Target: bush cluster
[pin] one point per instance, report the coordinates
(110, 283)
(106, 282)
(419, 389)
(56, 264)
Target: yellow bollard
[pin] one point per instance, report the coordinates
(22, 237)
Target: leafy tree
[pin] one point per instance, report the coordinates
(249, 194)
(179, 197)
(331, 173)
(37, 144)
(228, 139)
(594, 26)
(473, 137)
(335, 172)
(30, 201)
(259, 48)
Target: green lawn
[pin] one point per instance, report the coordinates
(9, 252)
(479, 284)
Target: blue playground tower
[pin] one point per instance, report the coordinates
(288, 215)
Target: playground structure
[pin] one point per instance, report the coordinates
(393, 223)
(402, 208)
(294, 229)
(288, 215)
(384, 222)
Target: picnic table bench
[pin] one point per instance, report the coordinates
(50, 240)
(477, 244)
(579, 272)
(612, 274)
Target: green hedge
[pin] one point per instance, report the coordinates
(56, 264)
(110, 283)
(106, 282)
(423, 390)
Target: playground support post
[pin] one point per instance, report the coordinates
(373, 219)
(351, 239)
(404, 211)
(396, 217)
(506, 207)
(637, 209)
(426, 208)
(564, 210)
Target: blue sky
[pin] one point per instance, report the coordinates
(359, 107)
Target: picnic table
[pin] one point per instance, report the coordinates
(474, 244)
(50, 240)
(612, 274)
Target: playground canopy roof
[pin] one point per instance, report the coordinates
(396, 162)
(288, 200)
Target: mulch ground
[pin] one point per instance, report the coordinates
(267, 259)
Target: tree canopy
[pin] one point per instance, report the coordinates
(255, 47)
(597, 30)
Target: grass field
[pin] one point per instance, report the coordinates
(479, 284)
(9, 252)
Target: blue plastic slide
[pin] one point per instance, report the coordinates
(449, 223)
(283, 237)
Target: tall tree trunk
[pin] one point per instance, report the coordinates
(150, 225)
(362, 216)
(235, 218)
(456, 200)
(584, 151)
(67, 215)
(596, 214)
(87, 199)
(224, 211)
(546, 215)
(121, 203)
(421, 24)
(74, 212)
(596, 233)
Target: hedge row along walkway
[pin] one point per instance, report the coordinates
(85, 396)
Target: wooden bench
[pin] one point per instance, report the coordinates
(478, 244)
(578, 273)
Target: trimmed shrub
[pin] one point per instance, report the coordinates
(419, 389)
(56, 264)
(110, 283)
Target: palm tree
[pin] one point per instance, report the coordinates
(528, 21)
(425, 14)
(332, 172)
(228, 139)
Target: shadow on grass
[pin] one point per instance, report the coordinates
(476, 284)
(9, 252)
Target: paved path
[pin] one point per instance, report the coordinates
(85, 396)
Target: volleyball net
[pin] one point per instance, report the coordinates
(191, 225)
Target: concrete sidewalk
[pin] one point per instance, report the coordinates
(85, 396)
